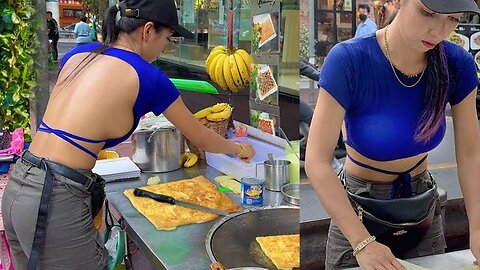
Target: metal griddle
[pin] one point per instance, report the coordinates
(231, 241)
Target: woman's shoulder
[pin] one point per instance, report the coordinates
(355, 46)
(456, 54)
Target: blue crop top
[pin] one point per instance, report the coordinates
(382, 115)
(156, 93)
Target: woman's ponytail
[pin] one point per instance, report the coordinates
(110, 29)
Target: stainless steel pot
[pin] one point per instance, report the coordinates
(291, 193)
(157, 150)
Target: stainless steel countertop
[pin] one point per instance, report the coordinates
(448, 261)
(183, 248)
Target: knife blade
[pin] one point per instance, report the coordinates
(168, 199)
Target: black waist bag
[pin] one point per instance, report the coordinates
(97, 194)
(399, 224)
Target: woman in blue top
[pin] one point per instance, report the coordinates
(390, 89)
(102, 92)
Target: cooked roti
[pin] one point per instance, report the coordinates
(197, 190)
(282, 250)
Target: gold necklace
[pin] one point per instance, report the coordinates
(394, 67)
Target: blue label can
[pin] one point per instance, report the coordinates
(252, 191)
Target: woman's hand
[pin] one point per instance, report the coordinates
(475, 246)
(376, 256)
(246, 152)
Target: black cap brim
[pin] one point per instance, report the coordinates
(452, 6)
(181, 31)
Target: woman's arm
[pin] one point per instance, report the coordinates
(201, 136)
(467, 150)
(322, 138)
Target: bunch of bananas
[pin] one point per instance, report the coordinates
(188, 159)
(215, 113)
(229, 69)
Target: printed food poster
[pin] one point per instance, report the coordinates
(265, 32)
(264, 86)
(468, 37)
(264, 121)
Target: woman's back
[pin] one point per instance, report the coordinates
(93, 105)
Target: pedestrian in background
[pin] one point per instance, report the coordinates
(52, 29)
(367, 26)
(82, 31)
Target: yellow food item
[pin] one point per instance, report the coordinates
(282, 250)
(107, 154)
(243, 69)
(220, 78)
(153, 180)
(203, 113)
(228, 75)
(220, 116)
(197, 190)
(237, 79)
(230, 69)
(247, 59)
(213, 54)
(187, 159)
(229, 182)
(219, 107)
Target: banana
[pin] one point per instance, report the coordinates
(245, 57)
(243, 69)
(220, 47)
(220, 116)
(219, 107)
(211, 68)
(235, 73)
(211, 57)
(228, 75)
(203, 113)
(220, 79)
(188, 159)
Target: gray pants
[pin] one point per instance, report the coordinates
(339, 252)
(71, 240)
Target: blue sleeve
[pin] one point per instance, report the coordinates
(466, 79)
(75, 30)
(163, 94)
(336, 76)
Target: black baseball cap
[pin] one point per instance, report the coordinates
(161, 11)
(452, 6)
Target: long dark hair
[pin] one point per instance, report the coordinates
(110, 31)
(436, 94)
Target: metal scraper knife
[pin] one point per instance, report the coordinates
(167, 199)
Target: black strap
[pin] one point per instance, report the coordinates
(41, 227)
(108, 214)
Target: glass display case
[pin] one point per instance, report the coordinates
(334, 22)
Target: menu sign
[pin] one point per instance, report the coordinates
(468, 37)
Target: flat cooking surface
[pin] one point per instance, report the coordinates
(232, 240)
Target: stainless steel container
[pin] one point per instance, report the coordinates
(157, 150)
(276, 174)
(291, 193)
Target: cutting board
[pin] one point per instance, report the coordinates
(232, 165)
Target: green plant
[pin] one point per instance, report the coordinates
(18, 41)
(304, 42)
(255, 37)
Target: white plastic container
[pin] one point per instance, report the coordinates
(232, 165)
